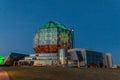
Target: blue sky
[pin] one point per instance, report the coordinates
(96, 23)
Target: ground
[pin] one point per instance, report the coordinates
(3, 75)
(48, 73)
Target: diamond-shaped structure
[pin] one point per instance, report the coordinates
(52, 37)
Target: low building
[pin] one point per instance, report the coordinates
(43, 59)
(80, 57)
(13, 58)
(93, 58)
(62, 58)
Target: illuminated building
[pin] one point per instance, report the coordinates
(48, 40)
(52, 37)
(53, 45)
(2, 59)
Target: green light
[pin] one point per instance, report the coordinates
(2, 59)
(53, 24)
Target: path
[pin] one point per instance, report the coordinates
(3, 75)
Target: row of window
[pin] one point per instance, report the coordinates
(53, 34)
(47, 38)
(54, 30)
(48, 42)
(48, 30)
(94, 61)
(51, 42)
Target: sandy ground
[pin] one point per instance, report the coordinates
(3, 75)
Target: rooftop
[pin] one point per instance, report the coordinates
(53, 24)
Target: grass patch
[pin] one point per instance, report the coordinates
(48, 73)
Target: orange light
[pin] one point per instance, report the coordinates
(3, 75)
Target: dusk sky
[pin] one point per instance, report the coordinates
(96, 23)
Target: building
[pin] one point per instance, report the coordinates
(51, 37)
(77, 57)
(108, 60)
(93, 58)
(43, 59)
(2, 58)
(48, 40)
(13, 58)
(53, 44)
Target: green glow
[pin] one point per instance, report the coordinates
(2, 59)
(52, 24)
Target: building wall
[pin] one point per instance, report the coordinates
(74, 57)
(45, 63)
(94, 58)
(108, 60)
(65, 39)
(42, 56)
(46, 40)
(90, 57)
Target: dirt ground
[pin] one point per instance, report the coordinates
(48, 73)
